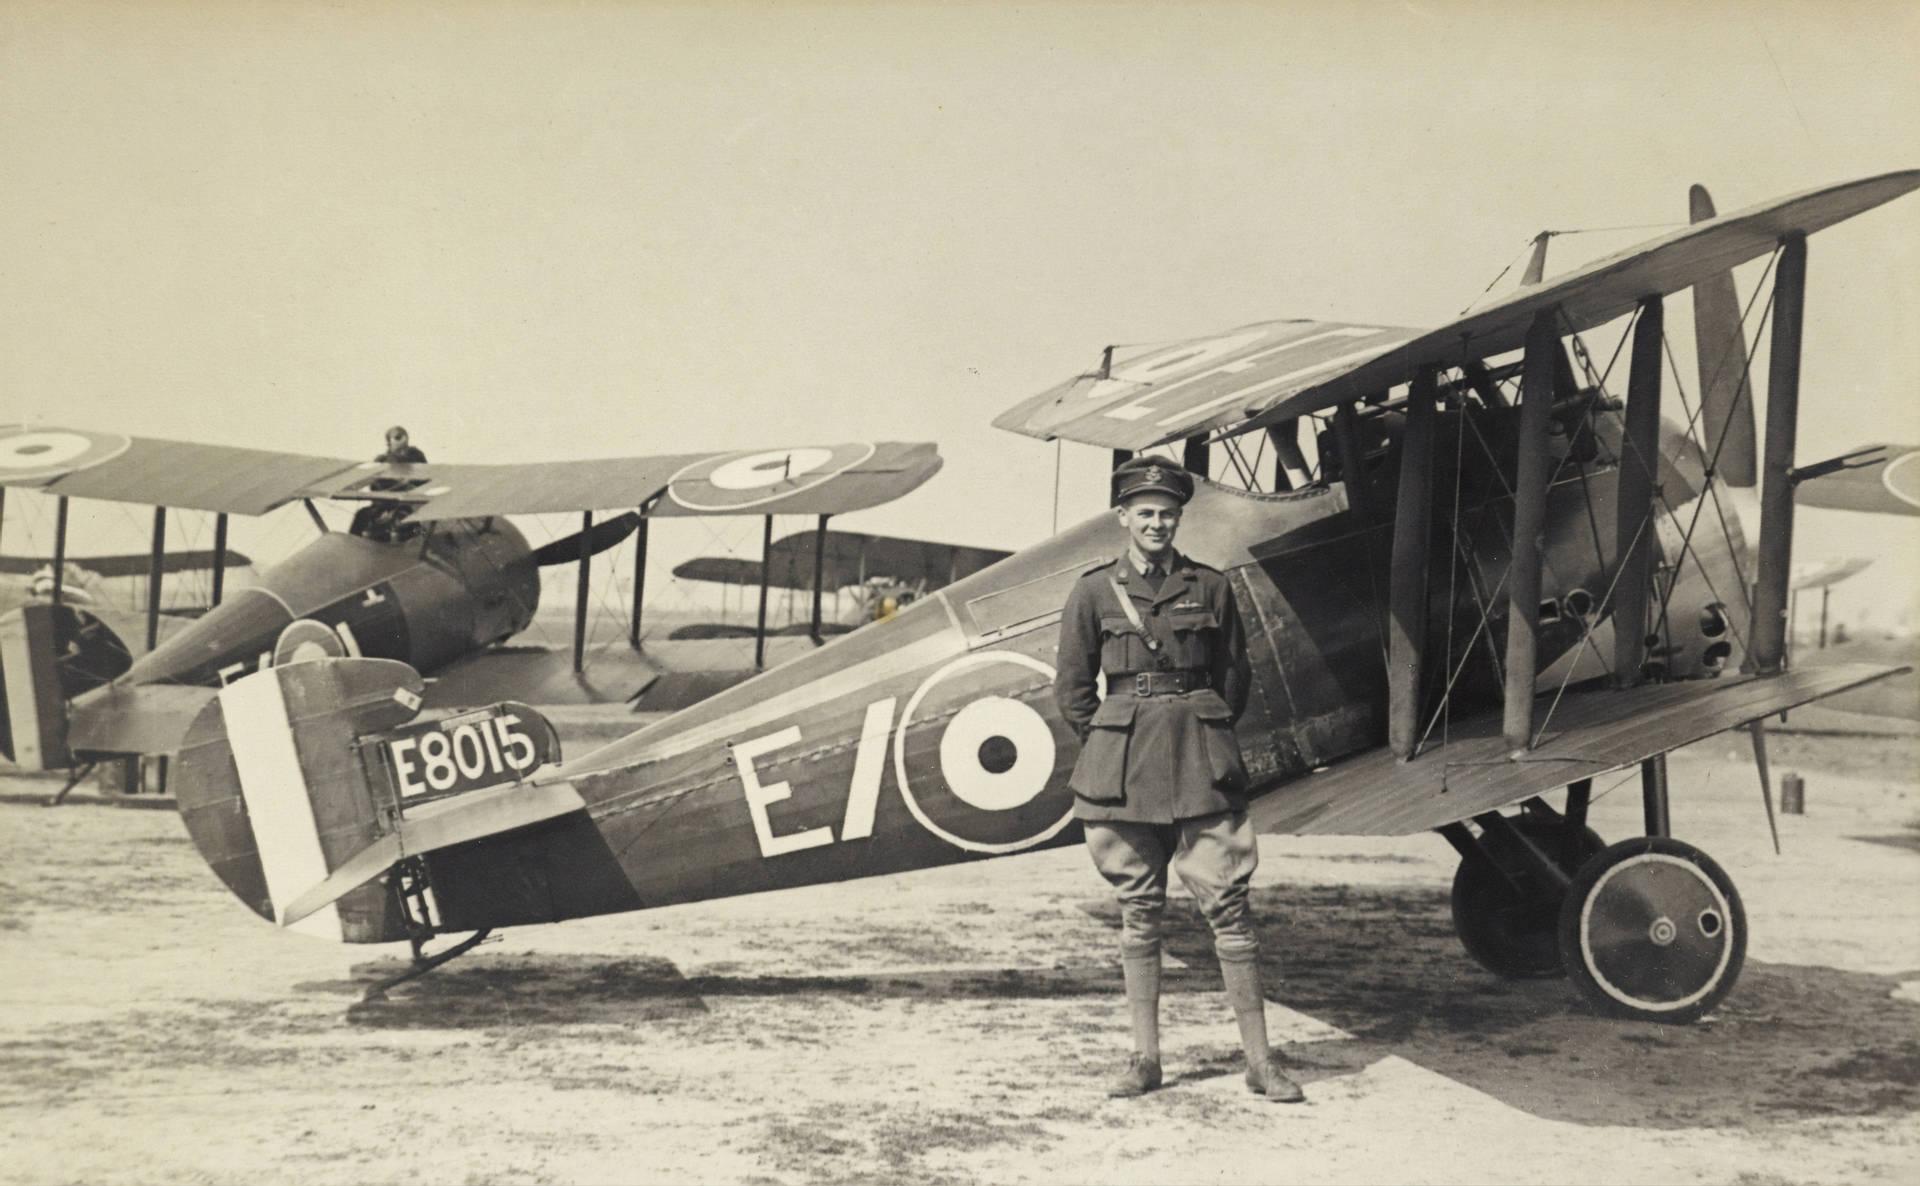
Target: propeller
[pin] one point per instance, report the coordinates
(599, 538)
(1726, 397)
(1759, 731)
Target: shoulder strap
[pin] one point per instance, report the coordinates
(1133, 616)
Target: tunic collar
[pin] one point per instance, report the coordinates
(1178, 582)
(1174, 561)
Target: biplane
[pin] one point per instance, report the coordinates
(431, 574)
(85, 580)
(864, 570)
(1483, 509)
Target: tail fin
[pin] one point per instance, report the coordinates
(48, 655)
(1720, 347)
(302, 785)
(34, 735)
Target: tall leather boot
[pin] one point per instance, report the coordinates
(1142, 973)
(1264, 1076)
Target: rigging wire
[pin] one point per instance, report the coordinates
(1056, 486)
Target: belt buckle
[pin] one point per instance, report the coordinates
(1143, 684)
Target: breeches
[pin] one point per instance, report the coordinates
(1215, 856)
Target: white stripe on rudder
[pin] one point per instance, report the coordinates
(275, 790)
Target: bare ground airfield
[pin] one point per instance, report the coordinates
(956, 1026)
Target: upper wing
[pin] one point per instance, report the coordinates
(847, 558)
(812, 480)
(1597, 731)
(1178, 390)
(1273, 371)
(1889, 486)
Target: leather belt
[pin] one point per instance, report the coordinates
(1156, 683)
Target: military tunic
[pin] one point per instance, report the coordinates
(1164, 757)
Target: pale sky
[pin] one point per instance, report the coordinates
(537, 231)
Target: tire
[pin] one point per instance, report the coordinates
(1515, 937)
(1653, 930)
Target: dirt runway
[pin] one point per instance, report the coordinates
(957, 1025)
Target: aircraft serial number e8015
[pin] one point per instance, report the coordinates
(466, 752)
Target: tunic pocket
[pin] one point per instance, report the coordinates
(1121, 648)
(1223, 748)
(1194, 629)
(1100, 773)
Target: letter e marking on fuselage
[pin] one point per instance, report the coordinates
(760, 796)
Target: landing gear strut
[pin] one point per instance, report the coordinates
(1649, 929)
(423, 963)
(411, 887)
(1507, 890)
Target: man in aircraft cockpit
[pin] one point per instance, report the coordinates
(400, 449)
(381, 521)
(1160, 782)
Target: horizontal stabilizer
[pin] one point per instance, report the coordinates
(435, 825)
(136, 719)
(1587, 734)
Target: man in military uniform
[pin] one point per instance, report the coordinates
(1159, 781)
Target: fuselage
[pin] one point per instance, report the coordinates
(933, 737)
(426, 600)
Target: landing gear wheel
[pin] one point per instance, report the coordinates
(1515, 936)
(1653, 930)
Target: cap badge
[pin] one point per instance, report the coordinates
(1156, 474)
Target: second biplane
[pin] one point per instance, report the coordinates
(1475, 518)
(432, 574)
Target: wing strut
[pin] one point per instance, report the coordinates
(819, 563)
(1196, 457)
(1653, 795)
(766, 575)
(1767, 639)
(1353, 474)
(1407, 587)
(580, 592)
(639, 581)
(1529, 526)
(1633, 513)
(219, 555)
(153, 575)
(59, 547)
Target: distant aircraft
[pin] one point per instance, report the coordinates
(1469, 523)
(868, 569)
(434, 574)
(27, 578)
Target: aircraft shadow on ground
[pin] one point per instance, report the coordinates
(1791, 1042)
